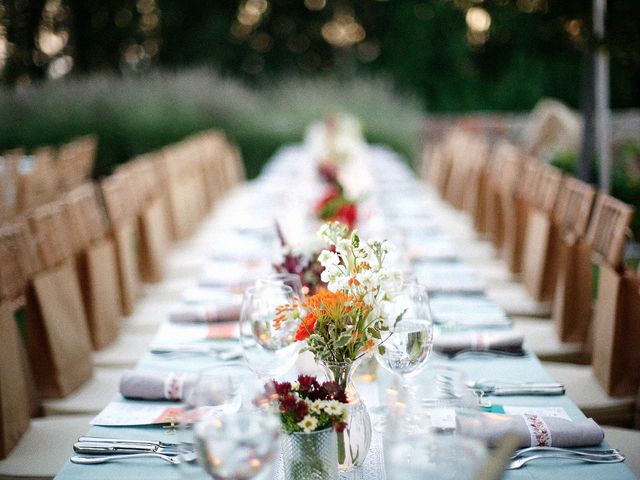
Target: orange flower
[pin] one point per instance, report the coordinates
(305, 329)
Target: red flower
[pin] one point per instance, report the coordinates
(283, 389)
(288, 404)
(305, 329)
(347, 214)
(300, 410)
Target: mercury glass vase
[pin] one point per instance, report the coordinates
(354, 441)
(310, 456)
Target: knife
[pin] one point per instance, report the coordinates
(551, 388)
(118, 448)
(156, 443)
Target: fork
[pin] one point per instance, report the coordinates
(588, 453)
(485, 353)
(174, 460)
(520, 462)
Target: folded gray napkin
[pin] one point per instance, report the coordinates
(531, 430)
(450, 343)
(148, 385)
(204, 314)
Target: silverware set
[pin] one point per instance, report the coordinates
(490, 353)
(224, 353)
(527, 455)
(97, 450)
(447, 385)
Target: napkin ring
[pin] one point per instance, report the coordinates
(538, 430)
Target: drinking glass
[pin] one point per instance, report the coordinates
(217, 391)
(410, 338)
(268, 351)
(290, 279)
(411, 332)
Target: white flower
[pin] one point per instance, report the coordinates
(308, 424)
(316, 406)
(334, 408)
(328, 258)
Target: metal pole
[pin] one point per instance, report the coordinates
(601, 94)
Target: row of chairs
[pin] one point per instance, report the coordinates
(28, 181)
(76, 265)
(551, 230)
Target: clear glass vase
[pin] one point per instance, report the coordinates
(310, 456)
(354, 441)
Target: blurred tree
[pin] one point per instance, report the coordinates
(455, 54)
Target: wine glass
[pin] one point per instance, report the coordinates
(235, 446)
(216, 391)
(410, 339)
(290, 279)
(268, 351)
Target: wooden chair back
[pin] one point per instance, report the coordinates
(12, 279)
(152, 217)
(573, 297)
(608, 229)
(96, 263)
(57, 333)
(575, 201)
(540, 254)
(50, 230)
(9, 162)
(474, 193)
(513, 218)
(36, 180)
(85, 217)
(75, 162)
(121, 205)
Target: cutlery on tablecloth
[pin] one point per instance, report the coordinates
(122, 447)
(158, 443)
(524, 388)
(584, 452)
(490, 353)
(520, 462)
(175, 460)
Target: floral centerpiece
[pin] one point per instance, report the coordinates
(301, 260)
(347, 321)
(311, 412)
(335, 206)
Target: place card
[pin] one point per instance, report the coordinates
(557, 412)
(443, 418)
(128, 413)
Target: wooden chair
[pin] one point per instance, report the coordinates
(606, 390)
(153, 228)
(57, 332)
(540, 262)
(36, 181)
(75, 162)
(475, 194)
(517, 197)
(121, 207)
(35, 448)
(96, 263)
(58, 338)
(573, 299)
(9, 162)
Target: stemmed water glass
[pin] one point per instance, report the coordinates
(411, 333)
(223, 430)
(268, 351)
(290, 279)
(407, 347)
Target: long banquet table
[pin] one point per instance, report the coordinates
(241, 227)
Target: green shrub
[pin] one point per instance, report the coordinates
(134, 115)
